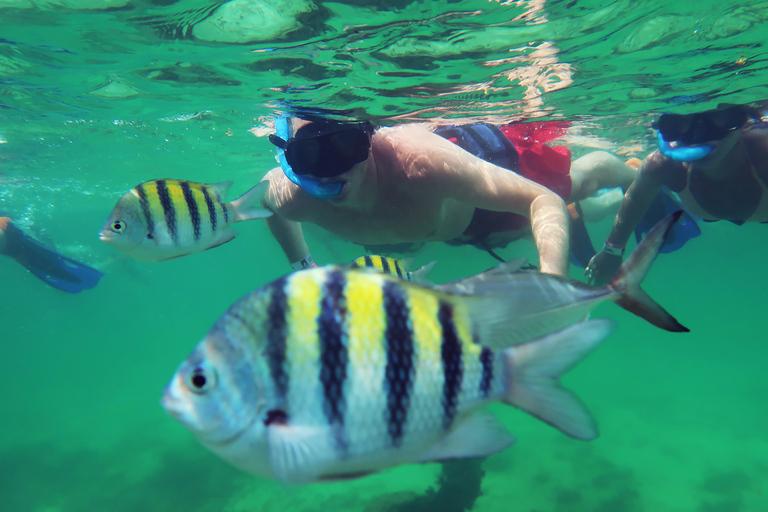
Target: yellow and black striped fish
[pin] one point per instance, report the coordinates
(162, 219)
(394, 266)
(334, 372)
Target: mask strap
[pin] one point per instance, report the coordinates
(683, 153)
(311, 186)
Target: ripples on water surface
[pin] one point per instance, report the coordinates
(98, 95)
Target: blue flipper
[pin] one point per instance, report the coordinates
(55, 269)
(684, 229)
(582, 249)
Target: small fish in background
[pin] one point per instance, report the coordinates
(162, 219)
(333, 373)
(394, 266)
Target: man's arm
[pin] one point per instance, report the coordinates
(291, 238)
(287, 233)
(654, 172)
(468, 179)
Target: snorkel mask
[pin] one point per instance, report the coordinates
(323, 149)
(691, 132)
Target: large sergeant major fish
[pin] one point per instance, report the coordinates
(163, 219)
(331, 373)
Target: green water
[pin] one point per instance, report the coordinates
(94, 101)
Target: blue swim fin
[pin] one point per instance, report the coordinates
(683, 230)
(55, 269)
(582, 249)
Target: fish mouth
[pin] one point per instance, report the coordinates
(105, 236)
(171, 404)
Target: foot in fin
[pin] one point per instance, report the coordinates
(663, 205)
(48, 265)
(582, 249)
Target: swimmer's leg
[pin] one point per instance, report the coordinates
(598, 170)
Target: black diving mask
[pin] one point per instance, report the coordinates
(326, 149)
(701, 127)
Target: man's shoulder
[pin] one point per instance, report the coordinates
(282, 196)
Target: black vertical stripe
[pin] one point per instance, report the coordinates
(211, 208)
(334, 358)
(277, 312)
(224, 210)
(385, 265)
(145, 210)
(168, 210)
(399, 270)
(399, 372)
(368, 261)
(192, 206)
(486, 360)
(450, 353)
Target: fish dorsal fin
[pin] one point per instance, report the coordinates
(509, 305)
(468, 285)
(222, 188)
(479, 435)
(248, 206)
(300, 454)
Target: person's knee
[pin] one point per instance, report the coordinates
(594, 171)
(606, 163)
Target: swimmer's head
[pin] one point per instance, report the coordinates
(314, 153)
(691, 137)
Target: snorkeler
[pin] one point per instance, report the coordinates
(717, 161)
(51, 267)
(409, 185)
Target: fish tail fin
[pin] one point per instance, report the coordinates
(248, 206)
(532, 373)
(630, 275)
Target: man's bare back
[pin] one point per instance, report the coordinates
(404, 196)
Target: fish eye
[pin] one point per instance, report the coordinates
(201, 380)
(118, 226)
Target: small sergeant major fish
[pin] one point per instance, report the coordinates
(394, 266)
(333, 373)
(163, 219)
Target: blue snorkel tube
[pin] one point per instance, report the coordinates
(683, 153)
(311, 186)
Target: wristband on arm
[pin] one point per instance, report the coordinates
(613, 249)
(305, 262)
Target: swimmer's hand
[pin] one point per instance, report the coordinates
(602, 267)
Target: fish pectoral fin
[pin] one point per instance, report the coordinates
(480, 435)
(299, 454)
